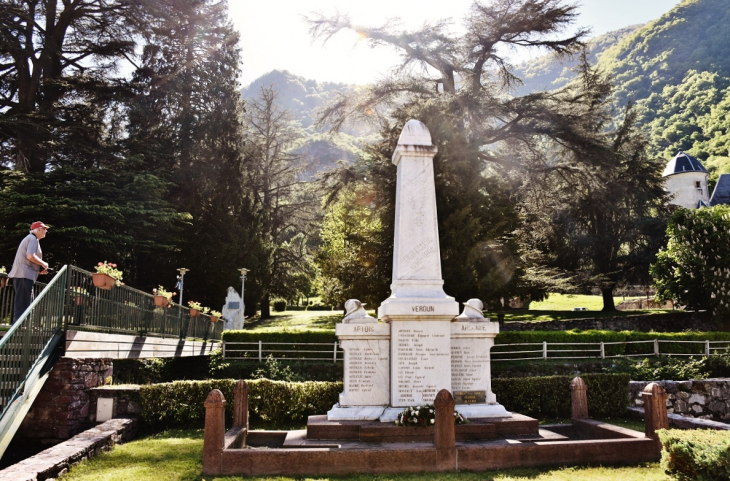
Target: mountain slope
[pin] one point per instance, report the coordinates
(545, 73)
(302, 98)
(692, 36)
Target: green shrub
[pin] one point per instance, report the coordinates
(549, 397)
(718, 366)
(147, 371)
(180, 404)
(663, 368)
(279, 305)
(696, 455)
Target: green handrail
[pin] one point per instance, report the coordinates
(126, 310)
(28, 338)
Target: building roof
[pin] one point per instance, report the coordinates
(683, 163)
(721, 194)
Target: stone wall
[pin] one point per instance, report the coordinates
(706, 399)
(61, 409)
(670, 322)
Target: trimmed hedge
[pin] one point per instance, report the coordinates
(549, 397)
(179, 404)
(280, 336)
(696, 455)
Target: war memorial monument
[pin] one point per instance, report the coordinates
(422, 344)
(420, 351)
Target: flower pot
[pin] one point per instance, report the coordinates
(3, 281)
(161, 301)
(214, 319)
(194, 313)
(78, 300)
(103, 281)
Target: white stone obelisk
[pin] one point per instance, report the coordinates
(418, 309)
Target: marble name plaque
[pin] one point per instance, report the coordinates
(420, 361)
(470, 397)
(367, 362)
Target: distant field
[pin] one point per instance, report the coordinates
(566, 302)
(555, 307)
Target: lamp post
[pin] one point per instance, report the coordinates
(180, 285)
(243, 272)
(181, 281)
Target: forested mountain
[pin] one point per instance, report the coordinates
(545, 73)
(302, 98)
(676, 68)
(691, 36)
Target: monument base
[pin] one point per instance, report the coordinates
(390, 414)
(481, 411)
(354, 413)
(469, 411)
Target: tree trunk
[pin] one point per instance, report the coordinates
(265, 307)
(608, 304)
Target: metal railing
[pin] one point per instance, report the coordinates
(282, 351)
(7, 295)
(28, 338)
(126, 310)
(332, 352)
(607, 350)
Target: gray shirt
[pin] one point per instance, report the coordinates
(22, 267)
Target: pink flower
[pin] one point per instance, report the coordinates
(113, 265)
(100, 264)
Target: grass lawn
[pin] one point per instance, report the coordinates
(176, 455)
(295, 321)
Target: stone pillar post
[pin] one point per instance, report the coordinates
(578, 398)
(215, 431)
(445, 432)
(240, 405)
(655, 410)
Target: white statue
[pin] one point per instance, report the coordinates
(472, 310)
(356, 314)
(232, 310)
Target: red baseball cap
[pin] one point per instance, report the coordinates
(37, 225)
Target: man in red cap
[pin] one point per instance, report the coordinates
(27, 265)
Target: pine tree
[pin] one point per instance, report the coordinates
(283, 206)
(57, 63)
(185, 125)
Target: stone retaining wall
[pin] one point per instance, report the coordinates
(61, 410)
(705, 399)
(670, 322)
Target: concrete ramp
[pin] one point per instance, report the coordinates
(84, 344)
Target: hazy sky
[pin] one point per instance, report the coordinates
(274, 34)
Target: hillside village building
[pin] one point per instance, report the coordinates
(686, 178)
